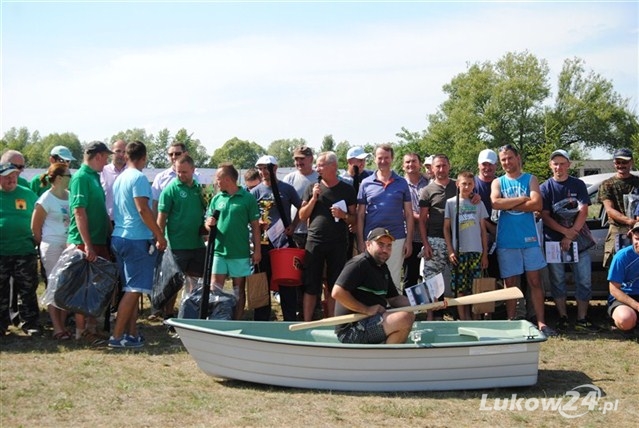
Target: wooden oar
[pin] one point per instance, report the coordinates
(489, 296)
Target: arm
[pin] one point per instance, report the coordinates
(141, 204)
(361, 213)
(410, 223)
(257, 247)
(423, 231)
(448, 237)
(37, 221)
(500, 203)
(82, 221)
(398, 301)
(308, 206)
(615, 215)
(484, 243)
(162, 221)
(346, 299)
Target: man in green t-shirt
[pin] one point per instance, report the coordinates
(237, 209)
(17, 159)
(181, 208)
(18, 257)
(90, 225)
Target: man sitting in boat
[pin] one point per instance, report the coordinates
(365, 286)
(623, 303)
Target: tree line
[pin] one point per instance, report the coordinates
(489, 105)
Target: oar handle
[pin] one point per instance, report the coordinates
(489, 296)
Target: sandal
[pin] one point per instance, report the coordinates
(63, 335)
(93, 339)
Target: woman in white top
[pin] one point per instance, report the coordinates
(50, 225)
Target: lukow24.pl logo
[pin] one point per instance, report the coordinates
(575, 403)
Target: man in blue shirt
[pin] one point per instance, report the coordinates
(623, 277)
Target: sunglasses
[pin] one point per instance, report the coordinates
(20, 167)
(175, 154)
(621, 162)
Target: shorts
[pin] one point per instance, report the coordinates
(234, 268)
(135, 264)
(369, 330)
(468, 268)
(191, 262)
(318, 256)
(616, 303)
(515, 261)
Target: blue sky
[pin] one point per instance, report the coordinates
(262, 71)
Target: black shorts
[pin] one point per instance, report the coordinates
(616, 303)
(333, 256)
(191, 262)
(369, 330)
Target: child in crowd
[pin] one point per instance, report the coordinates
(470, 255)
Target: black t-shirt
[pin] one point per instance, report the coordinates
(369, 283)
(322, 225)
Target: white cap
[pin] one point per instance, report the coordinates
(356, 152)
(265, 160)
(560, 153)
(429, 160)
(487, 155)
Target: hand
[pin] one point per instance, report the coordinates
(338, 213)
(452, 258)
(484, 261)
(90, 252)
(257, 256)
(571, 233)
(210, 222)
(316, 191)
(289, 230)
(361, 247)
(408, 249)
(565, 244)
(161, 243)
(375, 309)
(428, 252)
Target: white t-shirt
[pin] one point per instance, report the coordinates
(56, 223)
(300, 182)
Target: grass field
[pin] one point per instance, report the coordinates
(49, 383)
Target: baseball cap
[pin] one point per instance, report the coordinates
(634, 228)
(559, 153)
(487, 155)
(377, 233)
(624, 154)
(356, 152)
(429, 160)
(95, 147)
(265, 160)
(8, 168)
(63, 153)
(302, 152)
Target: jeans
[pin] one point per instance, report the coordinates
(581, 273)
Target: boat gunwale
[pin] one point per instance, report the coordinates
(177, 323)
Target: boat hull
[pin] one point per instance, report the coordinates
(448, 356)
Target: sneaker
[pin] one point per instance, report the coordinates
(32, 330)
(562, 324)
(586, 326)
(125, 342)
(549, 332)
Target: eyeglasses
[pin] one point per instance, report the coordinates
(622, 162)
(20, 167)
(175, 154)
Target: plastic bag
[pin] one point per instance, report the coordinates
(221, 305)
(565, 212)
(84, 287)
(71, 254)
(167, 279)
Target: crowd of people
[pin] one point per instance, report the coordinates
(365, 234)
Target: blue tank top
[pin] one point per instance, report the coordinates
(516, 229)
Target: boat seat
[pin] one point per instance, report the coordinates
(324, 336)
(464, 331)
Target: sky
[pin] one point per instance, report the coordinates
(263, 71)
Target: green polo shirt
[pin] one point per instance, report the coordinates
(236, 213)
(184, 206)
(86, 192)
(16, 208)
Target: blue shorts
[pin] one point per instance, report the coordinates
(135, 264)
(515, 261)
(368, 330)
(233, 268)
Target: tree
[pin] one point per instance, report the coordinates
(341, 150)
(15, 139)
(38, 151)
(242, 154)
(328, 144)
(283, 150)
(196, 150)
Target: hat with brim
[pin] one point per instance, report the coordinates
(356, 153)
(266, 160)
(561, 153)
(379, 232)
(624, 154)
(8, 168)
(63, 153)
(634, 229)
(96, 147)
(302, 152)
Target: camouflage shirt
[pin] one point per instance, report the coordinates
(615, 188)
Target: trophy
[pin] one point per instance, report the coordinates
(265, 207)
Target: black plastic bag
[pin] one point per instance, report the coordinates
(168, 279)
(84, 287)
(221, 305)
